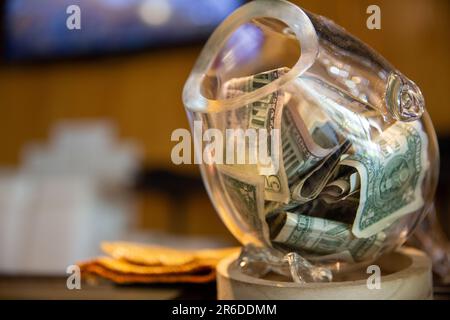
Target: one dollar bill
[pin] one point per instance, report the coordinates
(322, 236)
(391, 174)
(245, 195)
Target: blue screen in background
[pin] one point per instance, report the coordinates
(37, 28)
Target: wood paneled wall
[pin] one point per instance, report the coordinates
(142, 93)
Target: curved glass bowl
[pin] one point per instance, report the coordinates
(317, 153)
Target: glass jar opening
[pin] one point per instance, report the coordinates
(255, 47)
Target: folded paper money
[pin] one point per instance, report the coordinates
(128, 263)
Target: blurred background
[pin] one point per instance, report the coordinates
(86, 118)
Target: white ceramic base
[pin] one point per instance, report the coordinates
(406, 274)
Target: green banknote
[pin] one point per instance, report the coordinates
(300, 152)
(391, 172)
(322, 236)
(245, 194)
(264, 113)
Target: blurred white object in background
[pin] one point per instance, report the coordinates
(66, 198)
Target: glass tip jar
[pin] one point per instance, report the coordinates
(318, 155)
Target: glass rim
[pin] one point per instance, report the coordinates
(293, 16)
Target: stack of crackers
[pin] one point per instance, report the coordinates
(135, 263)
